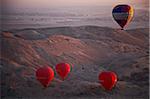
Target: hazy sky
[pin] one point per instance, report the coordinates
(50, 3)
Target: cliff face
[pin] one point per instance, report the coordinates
(88, 49)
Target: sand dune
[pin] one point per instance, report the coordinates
(89, 49)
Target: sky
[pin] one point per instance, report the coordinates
(57, 3)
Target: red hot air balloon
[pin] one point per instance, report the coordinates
(45, 75)
(108, 79)
(63, 69)
(123, 14)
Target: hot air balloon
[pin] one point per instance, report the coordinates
(108, 79)
(63, 70)
(45, 75)
(123, 14)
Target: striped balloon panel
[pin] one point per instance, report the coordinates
(120, 16)
(131, 13)
(121, 8)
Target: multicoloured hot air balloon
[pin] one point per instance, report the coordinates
(123, 14)
(45, 75)
(108, 79)
(63, 70)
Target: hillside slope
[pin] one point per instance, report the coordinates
(89, 49)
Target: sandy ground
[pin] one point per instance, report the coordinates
(89, 49)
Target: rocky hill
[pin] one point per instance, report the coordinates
(89, 49)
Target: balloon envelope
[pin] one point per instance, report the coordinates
(108, 79)
(63, 69)
(45, 75)
(123, 14)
